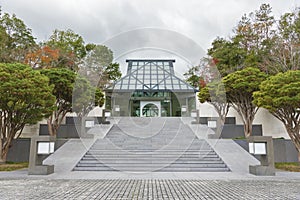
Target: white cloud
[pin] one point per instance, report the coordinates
(99, 20)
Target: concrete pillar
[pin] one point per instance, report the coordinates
(36, 166)
(267, 167)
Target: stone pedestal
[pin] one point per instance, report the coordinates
(267, 167)
(41, 170)
(36, 166)
(260, 170)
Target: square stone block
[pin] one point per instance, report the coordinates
(260, 170)
(41, 170)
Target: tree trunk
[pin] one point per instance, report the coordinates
(3, 155)
(220, 125)
(222, 110)
(5, 148)
(248, 128)
(50, 127)
(295, 137)
(1, 160)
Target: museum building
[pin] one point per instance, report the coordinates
(150, 89)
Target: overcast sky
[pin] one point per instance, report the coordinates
(100, 20)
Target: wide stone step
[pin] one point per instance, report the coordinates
(179, 143)
(136, 156)
(164, 152)
(143, 169)
(151, 147)
(158, 160)
(145, 161)
(154, 149)
(160, 145)
(150, 150)
(153, 165)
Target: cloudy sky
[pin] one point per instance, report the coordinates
(118, 22)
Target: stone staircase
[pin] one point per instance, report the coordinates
(151, 144)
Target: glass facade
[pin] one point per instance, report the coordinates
(151, 75)
(150, 88)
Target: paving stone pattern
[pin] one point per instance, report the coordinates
(149, 189)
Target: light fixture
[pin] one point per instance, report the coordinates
(212, 124)
(45, 148)
(89, 123)
(257, 148)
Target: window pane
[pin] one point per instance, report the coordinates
(168, 81)
(131, 87)
(176, 87)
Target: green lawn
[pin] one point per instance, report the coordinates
(9, 166)
(292, 166)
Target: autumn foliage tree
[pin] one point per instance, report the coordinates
(251, 42)
(43, 58)
(71, 48)
(284, 55)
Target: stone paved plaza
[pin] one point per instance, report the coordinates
(148, 189)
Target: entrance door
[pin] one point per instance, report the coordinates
(150, 108)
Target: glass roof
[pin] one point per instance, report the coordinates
(151, 75)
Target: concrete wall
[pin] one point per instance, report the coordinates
(32, 130)
(235, 131)
(20, 149)
(64, 130)
(284, 150)
(271, 126)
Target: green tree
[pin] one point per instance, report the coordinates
(98, 67)
(251, 43)
(285, 54)
(85, 97)
(215, 94)
(25, 98)
(16, 39)
(228, 55)
(206, 71)
(82, 96)
(192, 76)
(254, 34)
(99, 97)
(280, 94)
(239, 87)
(113, 72)
(71, 48)
(98, 57)
(63, 80)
